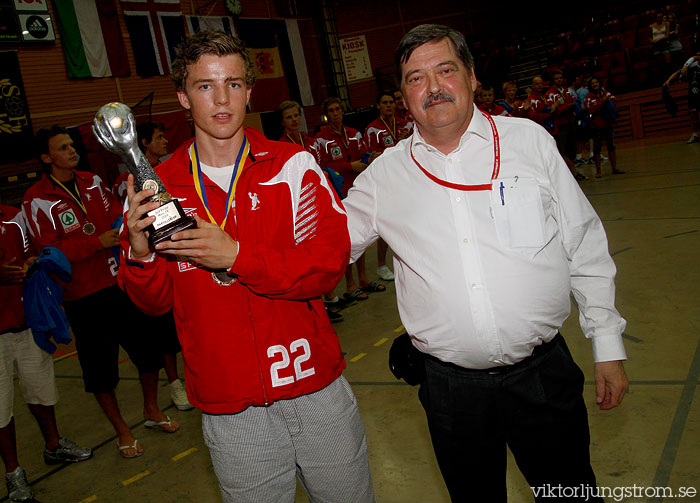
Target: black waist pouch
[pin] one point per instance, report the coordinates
(405, 361)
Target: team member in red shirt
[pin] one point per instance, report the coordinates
(538, 109)
(563, 118)
(384, 132)
(597, 103)
(387, 129)
(290, 115)
(487, 102)
(261, 358)
(21, 355)
(342, 149)
(154, 145)
(512, 105)
(401, 110)
(73, 211)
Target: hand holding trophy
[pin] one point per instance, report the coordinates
(115, 130)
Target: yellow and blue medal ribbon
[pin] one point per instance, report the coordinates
(199, 179)
(78, 201)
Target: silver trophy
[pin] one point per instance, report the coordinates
(115, 129)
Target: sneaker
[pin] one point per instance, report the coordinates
(579, 162)
(602, 158)
(591, 159)
(334, 317)
(67, 452)
(339, 303)
(17, 486)
(579, 177)
(385, 273)
(179, 396)
(693, 139)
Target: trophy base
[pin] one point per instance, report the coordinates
(170, 218)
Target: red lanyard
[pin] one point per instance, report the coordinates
(496, 164)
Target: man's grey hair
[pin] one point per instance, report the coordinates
(427, 33)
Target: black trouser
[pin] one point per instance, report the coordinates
(535, 407)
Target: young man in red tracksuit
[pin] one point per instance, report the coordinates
(488, 104)
(261, 358)
(563, 120)
(342, 149)
(20, 355)
(290, 118)
(537, 109)
(384, 132)
(74, 211)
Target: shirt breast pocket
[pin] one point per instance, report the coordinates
(518, 213)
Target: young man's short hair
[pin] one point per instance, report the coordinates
(213, 43)
(145, 131)
(381, 94)
(286, 105)
(41, 142)
(328, 102)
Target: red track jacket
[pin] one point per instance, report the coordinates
(267, 336)
(55, 219)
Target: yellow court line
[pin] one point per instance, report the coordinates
(358, 357)
(63, 357)
(380, 342)
(136, 477)
(88, 500)
(399, 329)
(178, 457)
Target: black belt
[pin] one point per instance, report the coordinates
(538, 352)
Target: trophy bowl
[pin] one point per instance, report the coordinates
(115, 128)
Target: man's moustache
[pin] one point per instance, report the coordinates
(437, 97)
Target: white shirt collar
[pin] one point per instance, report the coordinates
(478, 126)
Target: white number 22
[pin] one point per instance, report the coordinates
(302, 344)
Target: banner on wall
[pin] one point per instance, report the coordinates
(15, 124)
(270, 83)
(156, 28)
(275, 47)
(25, 21)
(213, 23)
(91, 38)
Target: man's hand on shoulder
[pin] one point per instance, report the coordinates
(611, 384)
(207, 245)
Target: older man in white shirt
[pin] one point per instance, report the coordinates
(490, 233)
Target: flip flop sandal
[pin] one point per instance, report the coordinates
(161, 425)
(356, 294)
(373, 286)
(123, 448)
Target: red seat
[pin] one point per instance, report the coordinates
(611, 27)
(628, 39)
(630, 22)
(610, 43)
(644, 35)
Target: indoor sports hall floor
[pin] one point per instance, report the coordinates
(652, 216)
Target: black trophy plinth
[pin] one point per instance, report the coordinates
(170, 218)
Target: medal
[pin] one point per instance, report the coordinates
(222, 278)
(89, 228)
